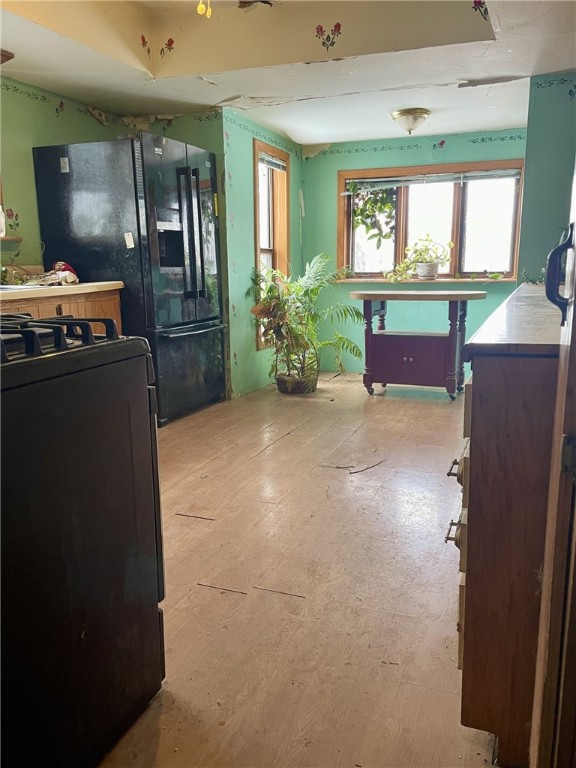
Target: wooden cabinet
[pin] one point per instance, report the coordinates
(510, 411)
(406, 358)
(85, 300)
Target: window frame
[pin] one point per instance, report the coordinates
(280, 186)
(345, 235)
(280, 218)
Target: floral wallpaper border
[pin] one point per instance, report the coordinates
(59, 105)
(268, 138)
(365, 150)
(556, 82)
(559, 82)
(441, 144)
(55, 101)
(492, 139)
(22, 92)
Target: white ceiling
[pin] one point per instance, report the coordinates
(472, 86)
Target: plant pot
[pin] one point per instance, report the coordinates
(293, 385)
(427, 270)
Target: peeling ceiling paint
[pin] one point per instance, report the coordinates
(481, 84)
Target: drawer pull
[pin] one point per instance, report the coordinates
(451, 472)
(457, 538)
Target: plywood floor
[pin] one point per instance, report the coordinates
(310, 616)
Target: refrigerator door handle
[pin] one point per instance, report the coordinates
(179, 334)
(554, 274)
(197, 230)
(185, 200)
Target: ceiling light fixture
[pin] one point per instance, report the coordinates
(204, 8)
(410, 119)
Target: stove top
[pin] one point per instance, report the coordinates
(22, 336)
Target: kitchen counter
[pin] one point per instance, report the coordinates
(83, 300)
(17, 293)
(526, 323)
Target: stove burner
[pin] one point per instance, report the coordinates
(21, 336)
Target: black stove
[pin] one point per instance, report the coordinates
(22, 336)
(81, 574)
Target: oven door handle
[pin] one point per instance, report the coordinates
(178, 334)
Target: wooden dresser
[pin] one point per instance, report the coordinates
(83, 300)
(510, 413)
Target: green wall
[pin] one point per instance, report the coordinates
(249, 366)
(320, 174)
(320, 179)
(31, 117)
(549, 167)
(230, 136)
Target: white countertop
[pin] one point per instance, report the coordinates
(35, 292)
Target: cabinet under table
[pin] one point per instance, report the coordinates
(415, 357)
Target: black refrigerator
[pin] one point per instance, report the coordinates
(145, 211)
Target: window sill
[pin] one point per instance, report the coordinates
(420, 281)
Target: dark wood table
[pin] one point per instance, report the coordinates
(415, 357)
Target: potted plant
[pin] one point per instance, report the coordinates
(423, 258)
(375, 210)
(289, 317)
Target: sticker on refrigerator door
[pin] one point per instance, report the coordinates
(158, 150)
(207, 163)
(64, 165)
(129, 240)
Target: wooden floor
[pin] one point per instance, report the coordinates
(310, 615)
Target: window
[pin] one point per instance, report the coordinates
(271, 185)
(476, 206)
(272, 215)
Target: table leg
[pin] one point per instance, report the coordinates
(367, 378)
(381, 313)
(452, 348)
(461, 341)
